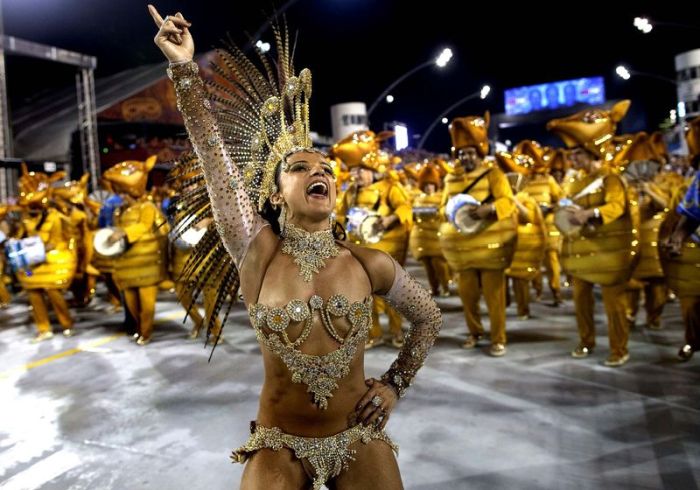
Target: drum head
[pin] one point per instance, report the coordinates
(562, 220)
(465, 223)
(367, 233)
(457, 211)
(103, 248)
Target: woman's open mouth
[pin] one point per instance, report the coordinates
(317, 190)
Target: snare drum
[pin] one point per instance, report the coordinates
(457, 211)
(103, 247)
(24, 253)
(424, 213)
(360, 226)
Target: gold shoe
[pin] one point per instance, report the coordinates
(581, 352)
(497, 350)
(617, 361)
(194, 334)
(524, 317)
(472, 341)
(68, 332)
(397, 342)
(686, 352)
(42, 336)
(135, 336)
(143, 340)
(371, 343)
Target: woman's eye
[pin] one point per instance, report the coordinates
(298, 168)
(329, 171)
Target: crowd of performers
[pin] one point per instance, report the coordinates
(611, 210)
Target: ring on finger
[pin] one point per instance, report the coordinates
(166, 20)
(377, 401)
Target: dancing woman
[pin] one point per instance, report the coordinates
(308, 293)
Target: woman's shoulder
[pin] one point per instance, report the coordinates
(378, 265)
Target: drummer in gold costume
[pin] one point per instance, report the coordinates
(480, 259)
(424, 242)
(139, 222)
(72, 199)
(681, 240)
(604, 250)
(641, 163)
(545, 190)
(52, 277)
(530, 247)
(105, 265)
(361, 153)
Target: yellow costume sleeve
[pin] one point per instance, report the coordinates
(502, 194)
(615, 199)
(401, 204)
(529, 204)
(555, 190)
(344, 205)
(146, 220)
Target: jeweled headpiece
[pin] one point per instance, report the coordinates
(263, 112)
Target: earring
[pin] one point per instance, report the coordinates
(331, 220)
(282, 220)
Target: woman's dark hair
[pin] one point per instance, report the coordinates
(272, 215)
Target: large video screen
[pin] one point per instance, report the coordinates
(555, 95)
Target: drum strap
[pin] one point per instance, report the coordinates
(476, 181)
(44, 215)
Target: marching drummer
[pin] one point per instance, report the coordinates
(603, 252)
(378, 194)
(141, 226)
(55, 251)
(424, 242)
(479, 254)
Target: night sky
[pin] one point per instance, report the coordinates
(355, 48)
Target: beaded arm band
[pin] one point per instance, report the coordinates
(236, 219)
(416, 304)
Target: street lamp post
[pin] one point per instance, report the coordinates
(483, 92)
(441, 61)
(645, 25)
(625, 73)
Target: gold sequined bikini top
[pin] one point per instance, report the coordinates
(319, 373)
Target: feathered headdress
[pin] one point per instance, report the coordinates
(262, 112)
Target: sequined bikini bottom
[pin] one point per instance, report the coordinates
(328, 456)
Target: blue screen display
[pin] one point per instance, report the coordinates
(555, 95)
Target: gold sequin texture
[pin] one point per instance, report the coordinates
(328, 456)
(239, 173)
(319, 373)
(310, 250)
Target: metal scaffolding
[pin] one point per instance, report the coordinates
(87, 105)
